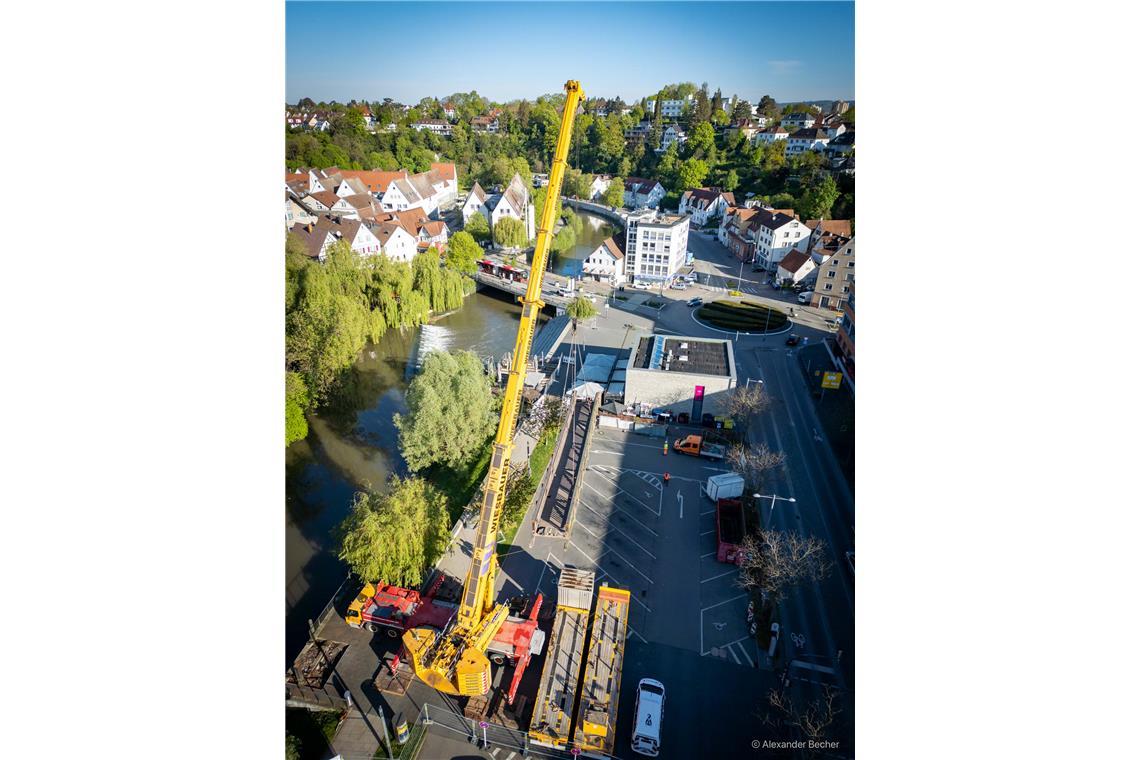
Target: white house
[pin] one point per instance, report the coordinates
(328, 202)
(350, 186)
(599, 186)
(794, 267)
(444, 182)
(295, 213)
(794, 121)
(439, 126)
(605, 263)
(396, 242)
(513, 202)
(811, 138)
(643, 193)
(656, 245)
(476, 203)
(769, 135)
(705, 203)
(414, 192)
(672, 134)
(777, 234)
(318, 236)
(488, 124)
(670, 109)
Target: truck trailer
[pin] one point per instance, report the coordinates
(601, 683)
(552, 722)
(729, 531)
(726, 485)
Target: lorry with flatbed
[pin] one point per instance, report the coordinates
(601, 681)
(729, 531)
(552, 722)
(698, 446)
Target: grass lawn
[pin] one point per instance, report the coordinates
(315, 730)
(745, 316)
(460, 484)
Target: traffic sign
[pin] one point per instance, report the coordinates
(832, 379)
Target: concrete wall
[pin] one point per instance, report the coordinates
(674, 390)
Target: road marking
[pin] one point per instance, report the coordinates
(710, 512)
(495, 752)
(726, 601)
(707, 532)
(638, 635)
(812, 666)
(744, 652)
(611, 498)
(726, 572)
(620, 511)
(715, 469)
(632, 566)
(511, 755)
(710, 554)
(614, 527)
(681, 501)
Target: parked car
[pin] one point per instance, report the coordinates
(679, 285)
(696, 301)
(641, 285)
(793, 340)
(805, 297)
(775, 285)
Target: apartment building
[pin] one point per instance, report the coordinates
(656, 246)
(836, 278)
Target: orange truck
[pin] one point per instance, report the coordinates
(696, 446)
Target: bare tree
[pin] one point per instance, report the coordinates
(748, 400)
(753, 463)
(810, 721)
(775, 561)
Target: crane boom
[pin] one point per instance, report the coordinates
(453, 660)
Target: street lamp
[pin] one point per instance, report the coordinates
(772, 508)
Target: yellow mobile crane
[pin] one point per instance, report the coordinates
(454, 660)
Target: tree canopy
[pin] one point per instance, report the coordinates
(478, 228)
(394, 537)
(462, 250)
(510, 232)
(614, 195)
(451, 411)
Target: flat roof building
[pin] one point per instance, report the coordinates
(682, 374)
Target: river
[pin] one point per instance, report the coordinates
(354, 449)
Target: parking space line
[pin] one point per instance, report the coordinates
(726, 601)
(633, 566)
(581, 524)
(619, 530)
(622, 490)
(710, 554)
(727, 572)
(708, 532)
(621, 511)
(710, 512)
(638, 635)
(744, 652)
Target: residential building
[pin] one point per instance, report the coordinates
(748, 127)
(488, 124)
(328, 202)
(425, 231)
(670, 109)
(605, 263)
(449, 110)
(799, 120)
(396, 242)
(656, 245)
(794, 267)
(836, 277)
(643, 193)
(318, 236)
(349, 186)
(705, 204)
(540, 180)
(514, 202)
(438, 126)
(476, 203)
(672, 134)
(599, 185)
(845, 336)
(842, 145)
(375, 182)
(777, 234)
(682, 374)
(811, 138)
(769, 135)
(737, 233)
(637, 133)
(295, 213)
(428, 191)
(821, 227)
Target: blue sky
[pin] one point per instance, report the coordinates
(406, 51)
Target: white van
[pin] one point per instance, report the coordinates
(805, 297)
(647, 725)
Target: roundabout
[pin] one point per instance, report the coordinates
(742, 318)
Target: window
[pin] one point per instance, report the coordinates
(831, 273)
(828, 286)
(850, 264)
(849, 276)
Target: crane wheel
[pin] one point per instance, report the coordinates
(371, 627)
(392, 633)
(498, 659)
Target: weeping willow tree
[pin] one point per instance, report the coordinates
(395, 536)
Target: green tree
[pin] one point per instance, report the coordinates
(702, 142)
(510, 233)
(742, 110)
(394, 537)
(818, 198)
(692, 174)
(478, 228)
(732, 181)
(296, 402)
(580, 308)
(450, 411)
(462, 250)
(614, 195)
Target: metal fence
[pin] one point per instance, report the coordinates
(448, 721)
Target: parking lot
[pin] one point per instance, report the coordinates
(657, 541)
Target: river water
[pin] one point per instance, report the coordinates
(355, 449)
